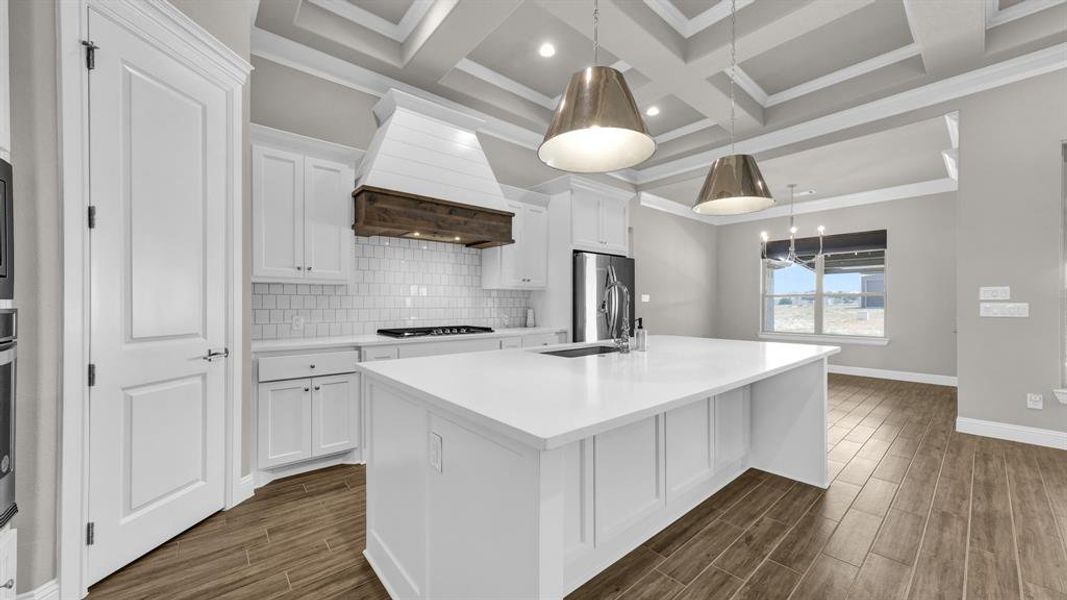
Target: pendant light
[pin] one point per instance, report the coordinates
(734, 185)
(791, 258)
(597, 127)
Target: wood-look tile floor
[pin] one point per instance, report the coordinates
(915, 510)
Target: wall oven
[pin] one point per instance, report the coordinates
(7, 230)
(8, 337)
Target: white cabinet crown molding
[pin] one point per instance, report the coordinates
(524, 195)
(269, 136)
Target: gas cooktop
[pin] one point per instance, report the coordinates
(406, 332)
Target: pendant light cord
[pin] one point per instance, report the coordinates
(733, 69)
(596, 34)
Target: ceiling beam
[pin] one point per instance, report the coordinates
(948, 32)
(449, 32)
(627, 31)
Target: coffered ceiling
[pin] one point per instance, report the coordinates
(800, 61)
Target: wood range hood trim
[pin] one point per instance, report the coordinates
(392, 213)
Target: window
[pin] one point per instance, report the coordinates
(839, 293)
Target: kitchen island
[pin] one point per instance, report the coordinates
(520, 474)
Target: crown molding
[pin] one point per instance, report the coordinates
(995, 16)
(999, 74)
(398, 32)
(670, 206)
(261, 134)
(687, 27)
(749, 85)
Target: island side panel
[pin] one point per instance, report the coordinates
(788, 424)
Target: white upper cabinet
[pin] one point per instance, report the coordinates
(5, 84)
(599, 220)
(524, 264)
(301, 207)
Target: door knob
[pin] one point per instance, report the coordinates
(213, 354)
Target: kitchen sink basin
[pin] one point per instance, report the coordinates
(587, 351)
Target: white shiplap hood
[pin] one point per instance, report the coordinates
(430, 150)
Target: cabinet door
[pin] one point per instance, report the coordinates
(612, 224)
(535, 246)
(284, 422)
(335, 414)
(512, 265)
(328, 238)
(8, 545)
(585, 226)
(277, 213)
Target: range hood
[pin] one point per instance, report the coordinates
(425, 176)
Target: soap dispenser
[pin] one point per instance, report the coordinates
(641, 335)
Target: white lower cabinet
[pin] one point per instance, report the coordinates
(8, 546)
(306, 418)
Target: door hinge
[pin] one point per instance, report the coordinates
(92, 374)
(90, 54)
(90, 533)
(92, 217)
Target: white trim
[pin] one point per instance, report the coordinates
(1016, 433)
(398, 32)
(670, 206)
(749, 85)
(997, 17)
(261, 134)
(841, 75)
(913, 377)
(161, 24)
(1009, 71)
(505, 83)
(899, 192)
(262, 477)
(952, 168)
(952, 123)
(48, 590)
(687, 27)
(850, 340)
(693, 127)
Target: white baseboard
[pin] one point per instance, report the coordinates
(264, 476)
(1014, 433)
(930, 378)
(47, 591)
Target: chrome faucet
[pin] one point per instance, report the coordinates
(621, 334)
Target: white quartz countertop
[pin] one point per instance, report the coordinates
(548, 401)
(363, 341)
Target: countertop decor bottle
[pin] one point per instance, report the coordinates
(641, 335)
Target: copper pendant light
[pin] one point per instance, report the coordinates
(734, 185)
(597, 127)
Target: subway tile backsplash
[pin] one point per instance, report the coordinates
(394, 283)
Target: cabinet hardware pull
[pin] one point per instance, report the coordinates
(299, 268)
(317, 388)
(312, 366)
(309, 268)
(307, 389)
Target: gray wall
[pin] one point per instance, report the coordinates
(38, 246)
(921, 280)
(1010, 228)
(676, 266)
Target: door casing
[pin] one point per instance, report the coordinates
(163, 25)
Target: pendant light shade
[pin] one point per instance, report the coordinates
(734, 186)
(597, 127)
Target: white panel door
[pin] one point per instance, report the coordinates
(585, 220)
(535, 246)
(277, 213)
(284, 422)
(159, 181)
(335, 410)
(613, 226)
(328, 237)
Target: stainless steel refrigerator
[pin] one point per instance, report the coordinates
(599, 306)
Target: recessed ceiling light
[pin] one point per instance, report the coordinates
(652, 111)
(547, 50)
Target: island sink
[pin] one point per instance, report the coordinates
(587, 351)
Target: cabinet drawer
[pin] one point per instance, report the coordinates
(379, 353)
(509, 343)
(540, 339)
(275, 368)
(449, 347)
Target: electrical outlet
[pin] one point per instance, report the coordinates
(298, 322)
(435, 452)
(1035, 401)
(646, 298)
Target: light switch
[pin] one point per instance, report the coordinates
(1001, 292)
(435, 451)
(1017, 310)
